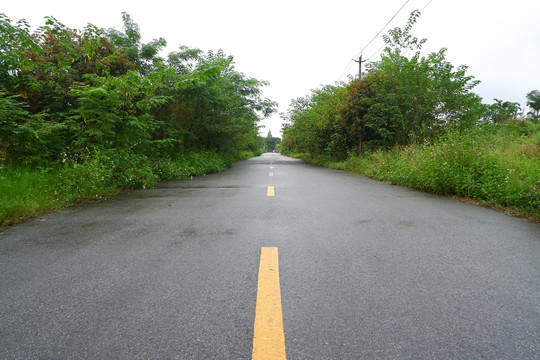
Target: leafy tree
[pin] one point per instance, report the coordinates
(216, 105)
(502, 111)
(402, 100)
(14, 41)
(270, 142)
(315, 123)
(63, 57)
(358, 98)
(39, 70)
(116, 112)
(407, 100)
(12, 119)
(68, 92)
(533, 101)
(144, 56)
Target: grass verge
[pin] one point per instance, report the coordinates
(28, 192)
(497, 167)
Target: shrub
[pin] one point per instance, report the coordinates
(497, 165)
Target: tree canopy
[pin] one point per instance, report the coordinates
(66, 92)
(270, 142)
(533, 101)
(404, 98)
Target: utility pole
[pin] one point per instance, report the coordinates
(360, 61)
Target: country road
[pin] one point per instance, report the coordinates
(366, 271)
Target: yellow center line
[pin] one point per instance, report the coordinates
(270, 191)
(270, 174)
(268, 337)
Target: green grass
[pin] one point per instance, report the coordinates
(24, 193)
(27, 192)
(247, 154)
(497, 166)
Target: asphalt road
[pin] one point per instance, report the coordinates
(367, 271)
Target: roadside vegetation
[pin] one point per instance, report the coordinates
(86, 113)
(271, 143)
(415, 121)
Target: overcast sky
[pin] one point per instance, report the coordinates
(299, 45)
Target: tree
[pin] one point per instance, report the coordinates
(358, 98)
(401, 100)
(66, 92)
(15, 40)
(62, 57)
(534, 103)
(314, 123)
(144, 56)
(270, 142)
(408, 100)
(502, 111)
(39, 71)
(217, 106)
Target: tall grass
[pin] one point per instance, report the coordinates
(27, 192)
(497, 166)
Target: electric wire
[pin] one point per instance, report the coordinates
(429, 2)
(376, 52)
(389, 21)
(382, 47)
(351, 62)
(405, 53)
(348, 67)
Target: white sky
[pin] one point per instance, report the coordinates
(299, 45)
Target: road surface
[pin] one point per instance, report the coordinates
(366, 271)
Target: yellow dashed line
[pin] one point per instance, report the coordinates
(270, 191)
(268, 336)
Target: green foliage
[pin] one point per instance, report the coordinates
(502, 111)
(14, 41)
(533, 101)
(115, 113)
(69, 91)
(415, 121)
(26, 192)
(218, 107)
(12, 118)
(144, 56)
(106, 112)
(495, 165)
(247, 154)
(270, 142)
(315, 125)
(401, 101)
(408, 100)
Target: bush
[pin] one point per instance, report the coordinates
(497, 165)
(27, 192)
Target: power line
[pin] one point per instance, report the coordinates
(351, 62)
(426, 5)
(382, 47)
(389, 21)
(347, 68)
(376, 52)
